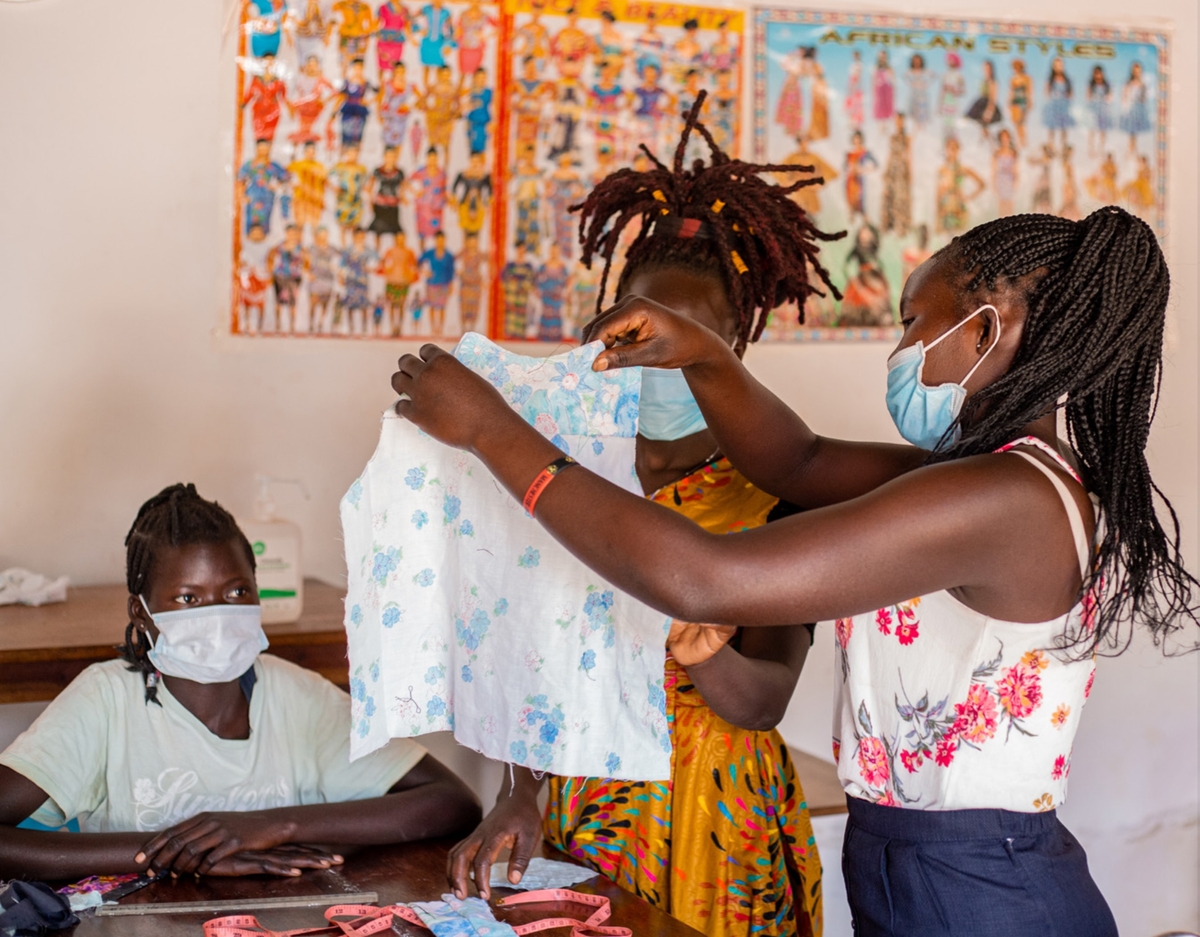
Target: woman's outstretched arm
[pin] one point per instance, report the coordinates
(768, 441)
(966, 524)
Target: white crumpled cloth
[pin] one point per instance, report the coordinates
(21, 587)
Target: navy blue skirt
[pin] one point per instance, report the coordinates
(968, 873)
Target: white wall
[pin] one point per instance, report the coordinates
(112, 384)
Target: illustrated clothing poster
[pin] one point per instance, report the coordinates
(923, 128)
(404, 169)
(464, 614)
(585, 83)
(365, 167)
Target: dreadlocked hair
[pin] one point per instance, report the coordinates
(720, 218)
(1096, 296)
(174, 517)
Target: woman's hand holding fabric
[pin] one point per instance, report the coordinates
(446, 399)
(639, 331)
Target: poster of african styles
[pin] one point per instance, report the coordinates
(404, 169)
(925, 127)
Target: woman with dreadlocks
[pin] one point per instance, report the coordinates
(974, 575)
(746, 861)
(196, 753)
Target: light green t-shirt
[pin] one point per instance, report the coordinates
(117, 763)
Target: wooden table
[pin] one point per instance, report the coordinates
(415, 872)
(43, 649)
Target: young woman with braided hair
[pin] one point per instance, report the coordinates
(973, 575)
(746, 863)
(208, 757)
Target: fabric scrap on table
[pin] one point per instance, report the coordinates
(32, 908)
(464, 614)
(541, 873)
(21, 587)
(461, 917)
(95, 890)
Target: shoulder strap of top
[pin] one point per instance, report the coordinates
(1046, 448)
(1074, 515)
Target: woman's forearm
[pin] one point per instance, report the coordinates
(524, 785)
(750, 694)
(430, 810)
(45, 856)
(762, 436)
(594, 519)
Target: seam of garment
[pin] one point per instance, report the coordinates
(933, 894)
(887, 888)
(1034, 893)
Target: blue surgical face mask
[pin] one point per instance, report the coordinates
(667, 409)
(924, 414)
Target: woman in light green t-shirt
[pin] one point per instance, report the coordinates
(196, 753)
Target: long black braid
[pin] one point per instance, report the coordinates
(1096, 295)
(175, 516)
(717, 219)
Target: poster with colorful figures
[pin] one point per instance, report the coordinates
(365, 168)
(585, 83)
(924, 127)
(405, 169)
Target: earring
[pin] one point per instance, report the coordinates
(141, 641)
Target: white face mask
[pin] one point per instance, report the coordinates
(209, 644)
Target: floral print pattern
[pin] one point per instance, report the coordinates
(951, 709)
(385, 563)
(562, 395)
(903, 617)
(454, 585)
(906, 749)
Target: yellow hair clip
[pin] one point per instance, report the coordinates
(717, 206)
(738, 262)
(659, 196)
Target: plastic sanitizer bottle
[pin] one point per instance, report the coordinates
(276, 545)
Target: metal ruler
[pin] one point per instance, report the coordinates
(236, 905)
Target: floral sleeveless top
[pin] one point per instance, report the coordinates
(940, 707)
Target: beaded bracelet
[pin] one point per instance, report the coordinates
(544, 478)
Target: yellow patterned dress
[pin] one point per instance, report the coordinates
(726, 845)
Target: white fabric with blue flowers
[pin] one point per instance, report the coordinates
(463, 614)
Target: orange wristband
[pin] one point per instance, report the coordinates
(544, 478)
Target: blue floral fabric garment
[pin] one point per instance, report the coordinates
(463, 614)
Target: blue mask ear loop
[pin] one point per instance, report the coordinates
(946, 334)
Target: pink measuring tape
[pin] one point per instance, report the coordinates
(361, 920)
